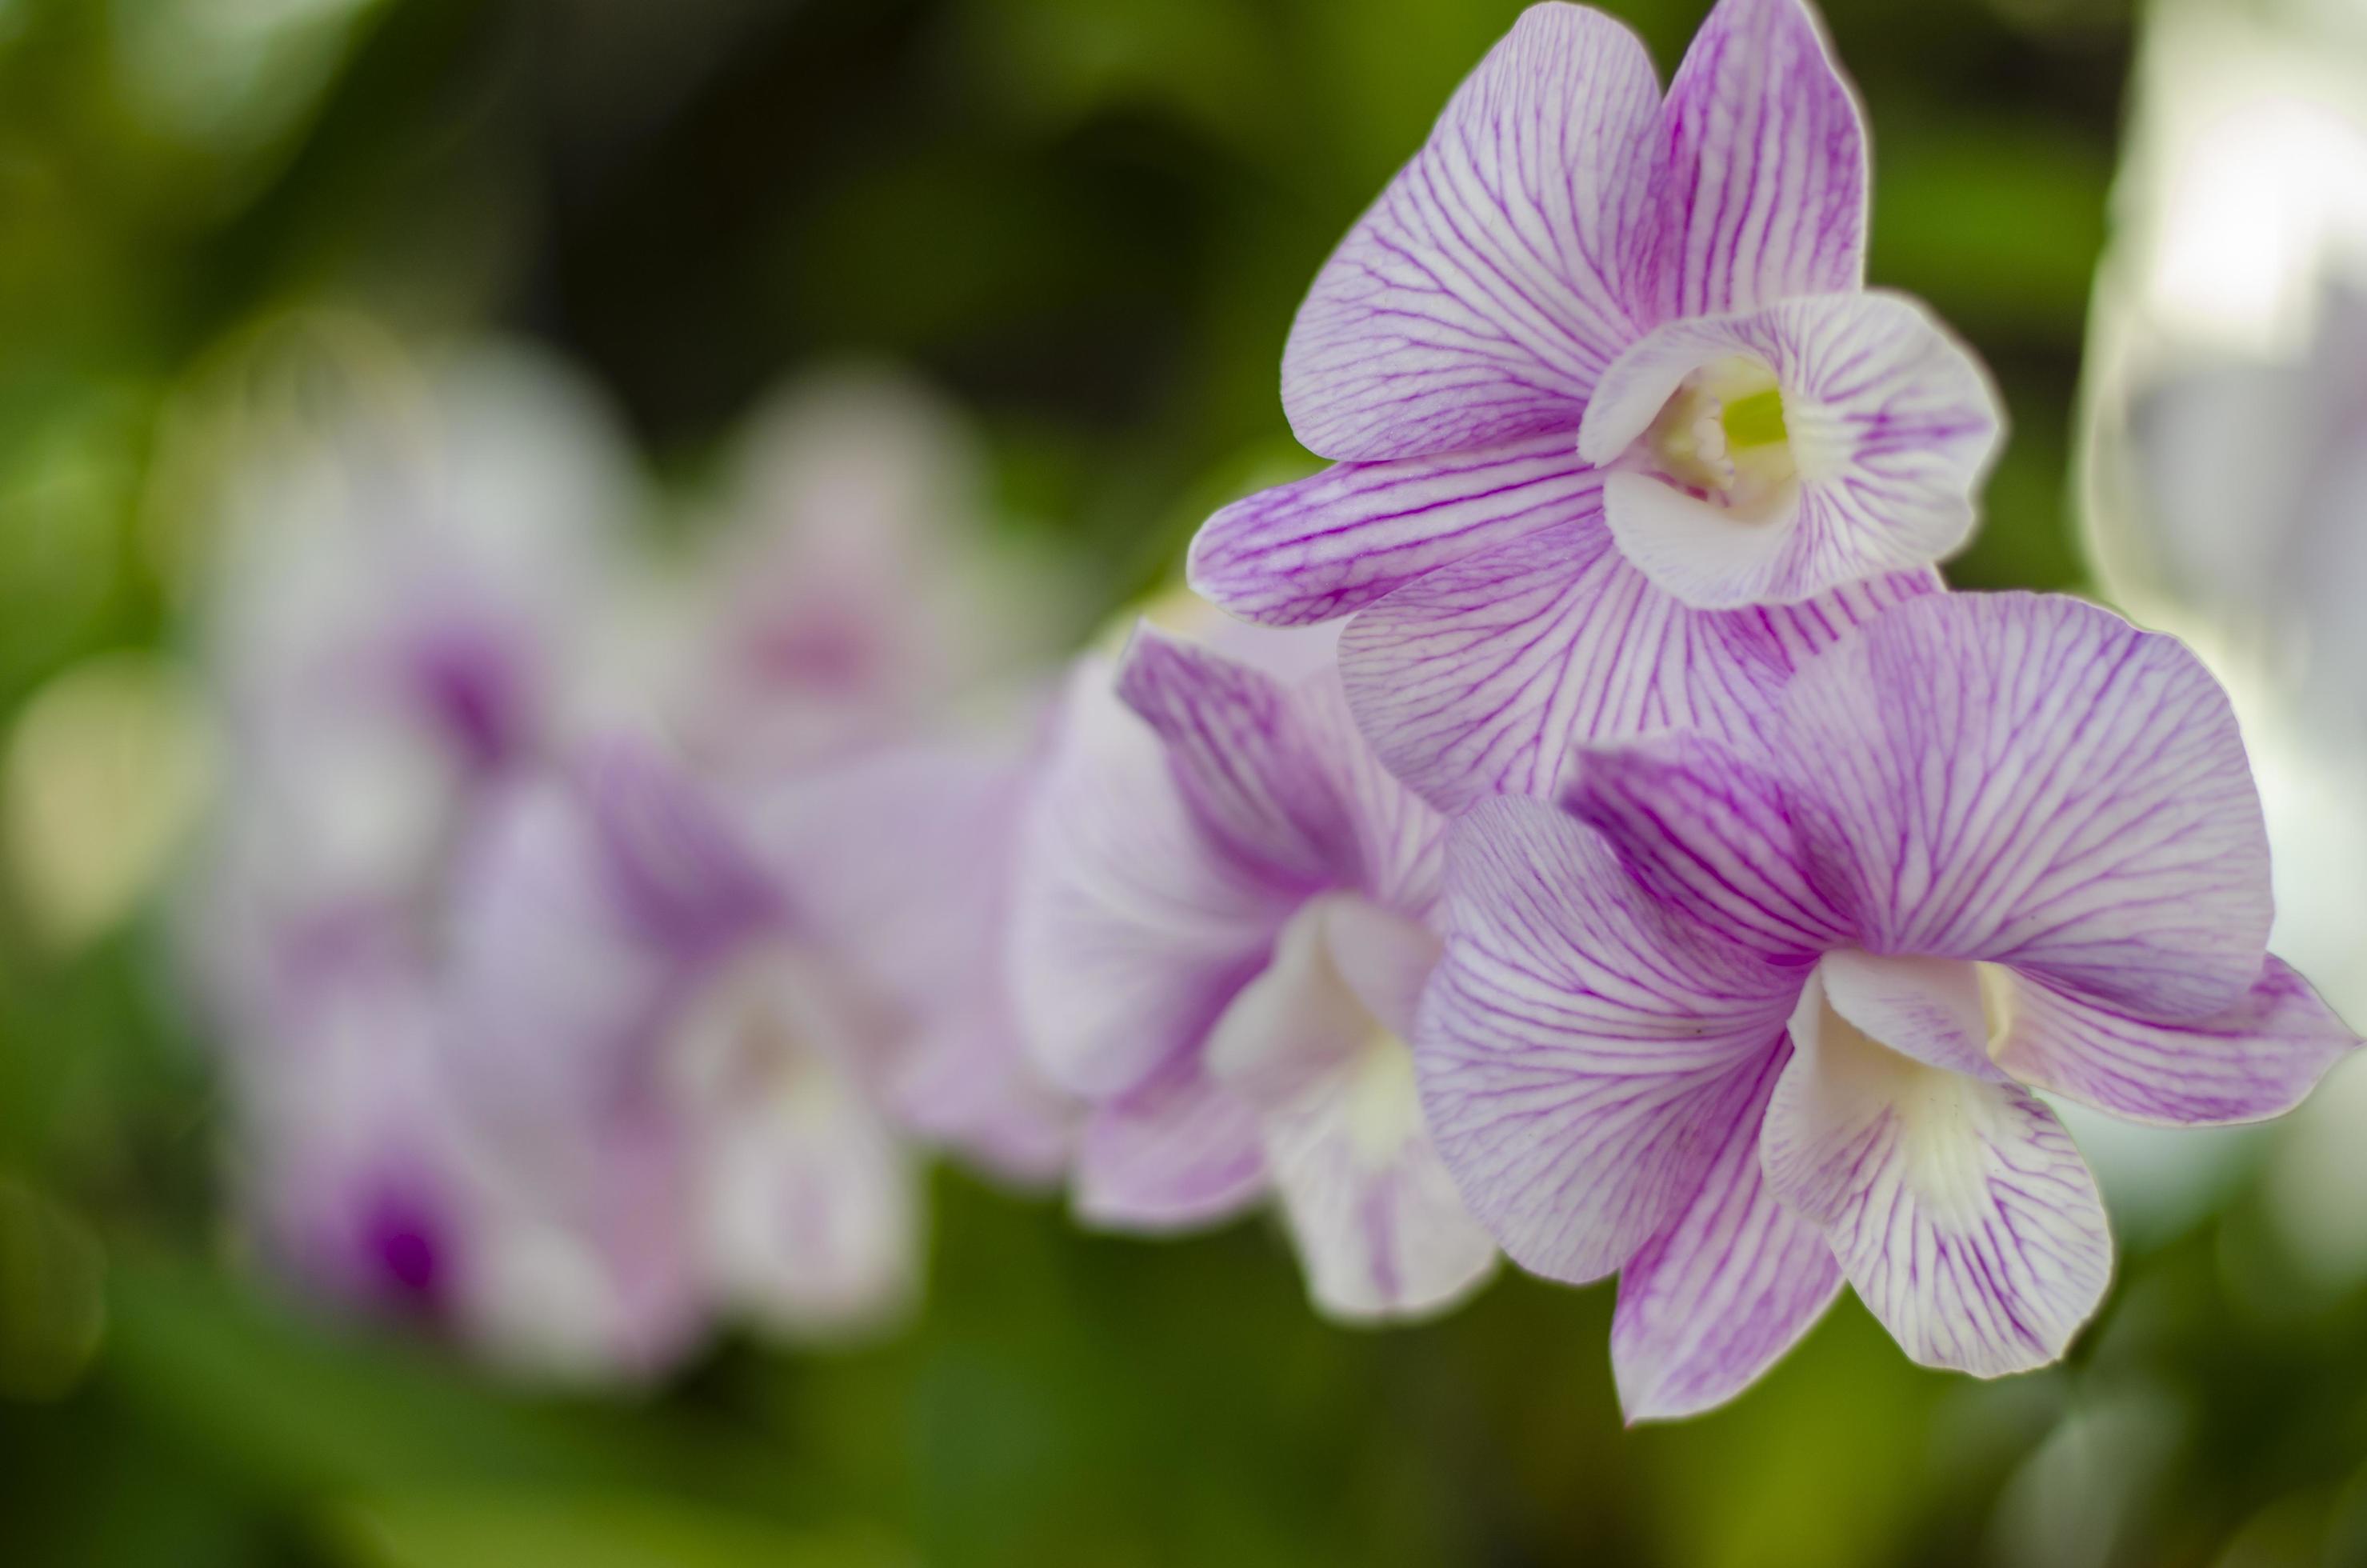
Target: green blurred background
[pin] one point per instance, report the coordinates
(1090, 219)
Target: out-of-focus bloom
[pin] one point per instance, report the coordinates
(410, 605)
(371, 1185)
(1221, 926)
(1754, 1016)
(407, 604)
(1600, 377)
(852, 591)
(622, 957)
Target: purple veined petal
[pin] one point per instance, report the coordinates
(1244, 756)
(2031, 780)
(1400, 837)
(1710, 832)
(1477, 679)
(2257, 1059)
(1179, 1152)
(1934, 1010)
(1725, 1289)
(1887, 427)
(1130, 929)
(1334, 542)
(1375, 1216)
(1479, 296)
(1582, 1054)
(1759, 187)
(1959, 1208)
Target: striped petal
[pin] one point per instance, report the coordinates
(1334, 542)
(1711, 833)
(2257, 1059)
(1760, 187)
(1481, 295)
(1131, 928)
(2031, 780)
(1725, 1289)
(1887, 424)
(1959, 1208)
(1244, 757)
(1583, 1056)
(1480, 678)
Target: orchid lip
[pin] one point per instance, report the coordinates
(1723, 438)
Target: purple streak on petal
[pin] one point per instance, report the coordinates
(1709, 832)
(673, 859)
(1245, 758)
(1335, 541)
(2032, 781)
(1960, 1209)
(1725, 1289)
(1892, 424)
(1759, 184)
(476, 690)
(1132, 930)
(1478, 679)
(1178, 1152)
(405, 1231)
(1582, 1054)
(1479, 296)
(2257, 1059)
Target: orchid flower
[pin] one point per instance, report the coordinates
(1620, 437)
(359, 1158)
(622, 957)
(1220, 927)
(1741, 1018)
(854, 590)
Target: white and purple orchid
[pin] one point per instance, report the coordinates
(1221, 927)
(1620, 437)
(1740, 1018)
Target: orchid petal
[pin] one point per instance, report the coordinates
(1930, 1009)
(1725, 1289)
(1477, 679)
(1376, 1217)
(1179, 1152)
(1889, 421)
(1335, 541)
(2257, 1059)
(2032, 781)
(1243, 757)
(1479, 296)
(1959, 1208)
(1130, 930)
(1582, 1054)
(1297, 1020)
(1760, 187)
(1710, 833)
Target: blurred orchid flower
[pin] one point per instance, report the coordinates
(1620, 435)
(1744, 1019)
(360, 1161)
(852, 592)
(1221, 924)
(405, 606)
